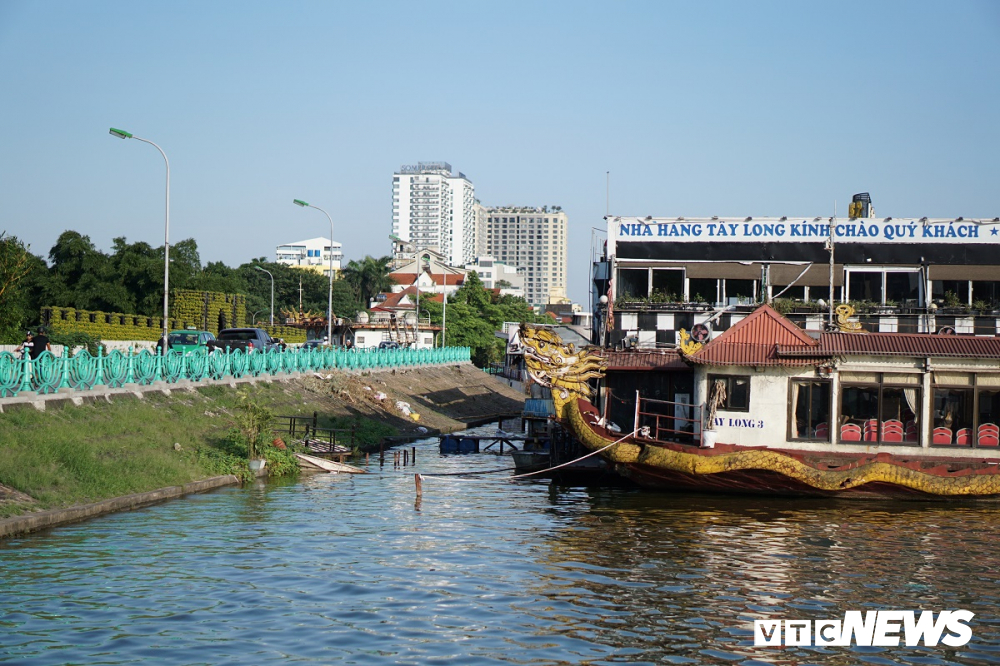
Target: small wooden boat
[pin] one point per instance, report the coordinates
(321, 464)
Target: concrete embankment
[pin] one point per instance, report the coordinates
(149, 445)
(39, 520)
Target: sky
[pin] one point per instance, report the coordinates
(638, 108)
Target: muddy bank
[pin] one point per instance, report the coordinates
(443, 399)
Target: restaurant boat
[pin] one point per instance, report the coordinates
(767, 407)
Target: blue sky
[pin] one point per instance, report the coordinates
(696, 109)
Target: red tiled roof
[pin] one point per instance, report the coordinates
(755, 341)
(437, 278)
(669, 359)
(899, 344)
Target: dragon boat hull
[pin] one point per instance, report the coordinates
(732, 469)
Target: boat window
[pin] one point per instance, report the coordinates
(668, 285)
(885, 286)
(865, 286)
(986, 293)
(703, 290)
(953, 423)
(737, 392)
(950, 293)
(877, 411)
(740, 292)
(810, 401)
(988, 423)
(633, 282)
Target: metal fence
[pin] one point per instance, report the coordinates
(49, 373)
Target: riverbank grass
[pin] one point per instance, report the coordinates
(78, 454)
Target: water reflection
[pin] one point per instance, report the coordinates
(480, 570)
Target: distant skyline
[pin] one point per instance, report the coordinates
(695, 109)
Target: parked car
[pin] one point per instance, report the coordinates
(245, 339)
(314, 344)
(388, 344)
(188, 340)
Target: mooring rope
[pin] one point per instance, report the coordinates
(592, 453)
(473, 473)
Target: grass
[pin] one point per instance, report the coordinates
(78, 454)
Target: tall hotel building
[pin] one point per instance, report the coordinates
(434, 209)
(534, 238)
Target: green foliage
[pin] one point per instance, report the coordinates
(254, 421)
(368, 277)
(475, 315)
(74, 340)
(15, 265)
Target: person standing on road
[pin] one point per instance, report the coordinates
(25, 347)
(40, 344)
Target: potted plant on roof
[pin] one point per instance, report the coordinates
(716, 397)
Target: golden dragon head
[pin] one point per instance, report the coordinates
(559, 366)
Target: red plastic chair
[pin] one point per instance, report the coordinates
(942, 435)
(988, 440)
(963, 437)
(911, 434)
(850, 432)
(871, 430)
(893, 435)
(988, 435)
(822, 430)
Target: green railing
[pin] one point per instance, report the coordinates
(49, 373)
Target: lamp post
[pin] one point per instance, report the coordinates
(272, 290)
(166, 233)
(329, 307)
(444, 308)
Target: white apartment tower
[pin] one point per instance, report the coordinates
(434, 209)
(533, 238)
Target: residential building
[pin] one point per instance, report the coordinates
(312, 254)
(430, 272)
(535, 239)
(497, 275)
(435, 209)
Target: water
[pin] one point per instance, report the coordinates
(336, 569)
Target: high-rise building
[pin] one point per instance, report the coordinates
(533, 238)
(435, 209)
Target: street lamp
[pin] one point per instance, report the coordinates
(166, 232)
(329, 307)
(272, 291)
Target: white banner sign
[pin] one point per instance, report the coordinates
(789, 230)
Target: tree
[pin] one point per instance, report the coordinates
(474, 318)
(15, 265)
(368, 277)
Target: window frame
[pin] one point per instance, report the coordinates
(884, 381)
(729, 379)
(809, 381)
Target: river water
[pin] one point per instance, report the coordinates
(337, 569)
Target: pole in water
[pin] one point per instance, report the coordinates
(413, 455)
(417, 479)
(406, 457)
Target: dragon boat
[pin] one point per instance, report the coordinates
(768, 408)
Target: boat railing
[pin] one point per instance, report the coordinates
(667, 421)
